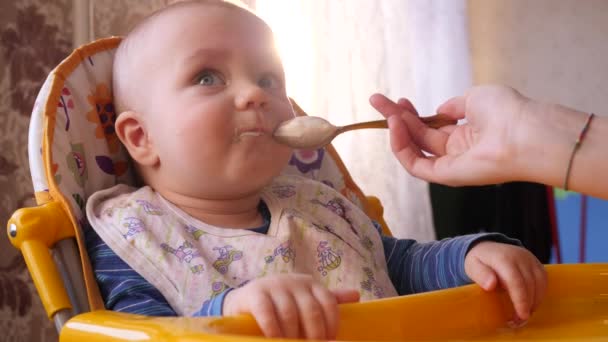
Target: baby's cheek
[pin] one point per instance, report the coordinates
(284, 109)
(282, 157)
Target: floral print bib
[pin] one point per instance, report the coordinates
(313, 230)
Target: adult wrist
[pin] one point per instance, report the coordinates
(545, 140)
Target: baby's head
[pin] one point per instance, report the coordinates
(199, 88)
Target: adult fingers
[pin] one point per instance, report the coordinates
(428, 139)
(405, 150)
(448, 129)
(385, 106)
(407, 105)
(400, 138)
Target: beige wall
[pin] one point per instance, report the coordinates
(555, 50)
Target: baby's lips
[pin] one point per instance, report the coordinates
(252, 133)
(265, 127)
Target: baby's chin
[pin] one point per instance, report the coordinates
(254, 178)
(240, 190)
(257, 147)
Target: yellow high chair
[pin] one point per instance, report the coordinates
(73, 152)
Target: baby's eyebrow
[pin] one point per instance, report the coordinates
(207, 53)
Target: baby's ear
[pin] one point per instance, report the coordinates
(132, 132)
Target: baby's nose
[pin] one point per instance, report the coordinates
(252, 97)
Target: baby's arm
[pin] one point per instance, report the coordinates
(487, 259)
(290, 305)
(121, 287)
(125, 290)
(420, 267)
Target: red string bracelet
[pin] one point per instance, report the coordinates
(577, 145)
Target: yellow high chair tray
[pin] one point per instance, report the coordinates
(73, 152)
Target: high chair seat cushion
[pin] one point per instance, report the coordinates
(74, 150)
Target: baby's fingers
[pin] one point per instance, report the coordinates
(329, 303)
(529, 279)
(286, 309)
(312, 315)
(344, 296)
(481, 274)
(540, 276)
(514, 282)
(263, 310)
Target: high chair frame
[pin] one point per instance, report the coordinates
(51, 242)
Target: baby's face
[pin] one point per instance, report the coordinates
(215, 93)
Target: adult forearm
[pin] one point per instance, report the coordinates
(548, 136)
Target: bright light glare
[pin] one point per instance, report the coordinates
(291, 26)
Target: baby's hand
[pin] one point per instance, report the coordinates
(290, 305)
(516, 269)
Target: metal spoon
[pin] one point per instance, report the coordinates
(312, 132)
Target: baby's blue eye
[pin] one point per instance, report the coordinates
(270, 82)
(210, 78)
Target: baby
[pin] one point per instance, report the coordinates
(216, 230)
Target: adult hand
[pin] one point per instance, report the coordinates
(479, 151)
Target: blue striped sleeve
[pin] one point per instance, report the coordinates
(121, 287)
(420, 267)
(125, 290)
(413, 267)
(213, 306)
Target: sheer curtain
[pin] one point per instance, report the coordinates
(337, 53)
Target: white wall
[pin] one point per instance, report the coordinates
(555, 50)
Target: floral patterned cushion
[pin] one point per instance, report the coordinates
(73, 149)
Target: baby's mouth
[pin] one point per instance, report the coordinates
(254, 131)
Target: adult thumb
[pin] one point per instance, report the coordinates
(454, 107)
